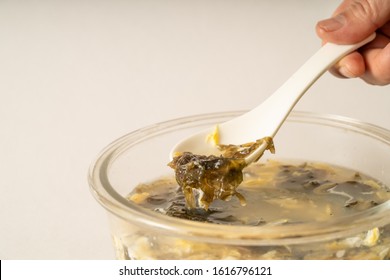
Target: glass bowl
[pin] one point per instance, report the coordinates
(142, 156)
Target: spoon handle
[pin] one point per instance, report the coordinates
(274, 110)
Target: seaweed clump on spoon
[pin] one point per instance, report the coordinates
(204, 179)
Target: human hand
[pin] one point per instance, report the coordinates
(353, 21)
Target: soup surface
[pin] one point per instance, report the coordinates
(274, 192)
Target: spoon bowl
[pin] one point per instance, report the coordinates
(266, 119)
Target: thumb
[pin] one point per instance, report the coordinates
(354, 21)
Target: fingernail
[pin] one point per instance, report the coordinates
(332, 24)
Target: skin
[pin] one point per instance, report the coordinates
(351, 22)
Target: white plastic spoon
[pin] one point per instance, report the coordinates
(266, 119)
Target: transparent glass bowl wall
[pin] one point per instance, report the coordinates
(142, 156)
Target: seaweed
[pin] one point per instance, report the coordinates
(204, 179)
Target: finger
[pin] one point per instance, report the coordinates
(354, 21)
(350, 66)
(379, 42)
(385, 30)
(342, 7)
(377, 65)
(354, 64)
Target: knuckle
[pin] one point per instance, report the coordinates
(366, 10)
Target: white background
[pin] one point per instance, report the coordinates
(75, 75)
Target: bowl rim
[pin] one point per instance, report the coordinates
(284, 234)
